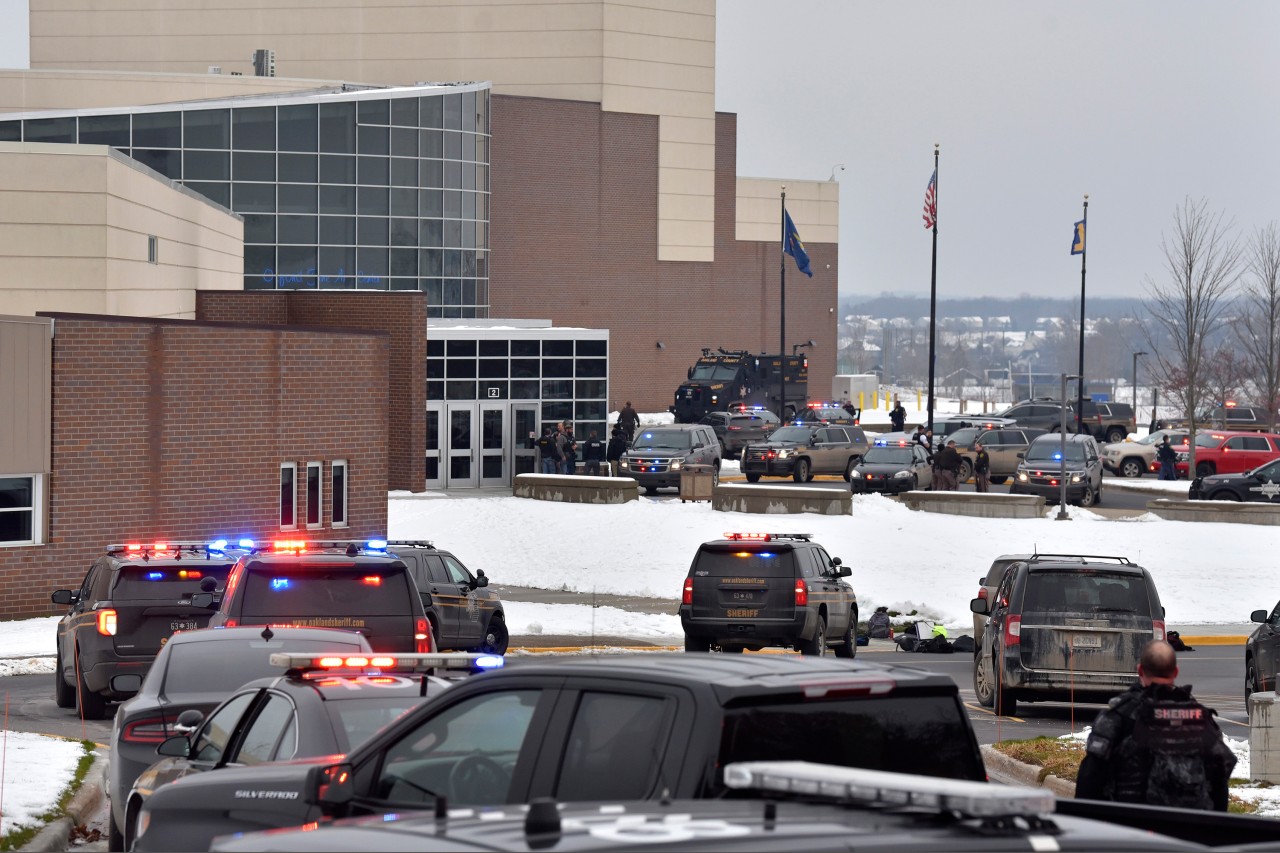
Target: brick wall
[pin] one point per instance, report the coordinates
(175, 430)
(573, 224)
(402, 315)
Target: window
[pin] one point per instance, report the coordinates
(315, 494)
(288, 495)
(20, 522)
(615, 747)
(258, 742)
(338, 490)
(153, 249)
(457, 574)
(216, 733)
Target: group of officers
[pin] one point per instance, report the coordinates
(558, 448)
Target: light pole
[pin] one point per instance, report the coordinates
(1135, 386)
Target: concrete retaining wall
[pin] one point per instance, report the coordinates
(781, 499)
(1220, 511)
(978, 505)
(576, 490)
(1264, 737)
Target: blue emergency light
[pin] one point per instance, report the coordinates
(247, 544)
(218, 545)
(376, 545)
(155, 576)
(489, 662)
(279, 583)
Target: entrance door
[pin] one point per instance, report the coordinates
(493, 450)
(460, 454)
(524, 432)
(435, 468)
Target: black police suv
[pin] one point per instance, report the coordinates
(801, 451)
(327, 584)
(891, 468)
(604, 729)
(751, 590)
(1262, 485)
(1262, 652)
(464, 613)
(130, 602)
(192, 674)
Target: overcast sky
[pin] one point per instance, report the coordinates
(1140, 104)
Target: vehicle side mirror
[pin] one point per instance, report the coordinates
(689, 373)
(330, 785)
(177, 747)
(188, 721)
(202, 600)
(63, 596)
(482, 581)
(1258, 616)
(1022, 456)
(843, 571)
(978, 605)
(208, 584)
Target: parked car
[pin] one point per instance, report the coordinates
(1109, 421)
(1041, 413)
(1231, 416)
(752, 590)
(657, 455)
(827, 413)
(604, 729)
(464, 613)
(1003, 446)
(948, 426)
(1064, 628)
(1222, 452)
(739, 427)
(1041, 470)
(1105, 421)
(891, 468)
(193, 673)
(1262, 653)
(1135, 458)
(987, 586)
(1262, 484)
(800, 452)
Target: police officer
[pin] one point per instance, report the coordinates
(1168, 458)
(1155, 744)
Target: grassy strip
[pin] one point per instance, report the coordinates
(20, 836)
(1062, 758)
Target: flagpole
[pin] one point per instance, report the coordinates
(933, 290)
(1084, 247)
(782, 299)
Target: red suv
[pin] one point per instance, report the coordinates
(1220, 452)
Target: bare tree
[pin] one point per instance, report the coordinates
(1202, 264)
(1259, 326)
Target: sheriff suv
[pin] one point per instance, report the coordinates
(464, 613)
(751, 590)
(658, 455)
(131, 600)
(804, 450)
(347, 585)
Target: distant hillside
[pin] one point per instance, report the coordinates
(1023, 310)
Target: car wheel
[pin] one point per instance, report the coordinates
(753, 478)
(115, 838)
(998, 481)
(848, 469)
(966, 471)
(1089, 498)
(1003, 701)
(64, 695)
(732, 650)
(1205, 469)
(849, 642)
(1132, 468)
(818, 645)
(496, 637)
(694, 644)
(1224, 495)
(715, 475)
(131, 824)
(1115, 435)
(915, 482)
(650, 490)
(93, 706)
(801, 472)
(1250, 683)
(983, 686)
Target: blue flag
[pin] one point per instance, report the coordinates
(793, 246)
(1077, 239)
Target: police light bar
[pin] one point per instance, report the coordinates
(879, 787)
(463, 661)
(765, 537)
(149, 549)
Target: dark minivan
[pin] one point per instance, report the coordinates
(1064, 628)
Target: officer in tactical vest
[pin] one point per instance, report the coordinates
(1155, 744)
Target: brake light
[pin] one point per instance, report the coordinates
(422, 638)
(151, 730)
(371, 580)
(187, 574)
(802, 593)
(1157, 629)
(687, 597)
(231, 623)
(107, 623)
(1013, 630)
(733, 428)
(754, 537)
(874, 686)
(982, 593)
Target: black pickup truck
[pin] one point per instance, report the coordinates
(594, 728)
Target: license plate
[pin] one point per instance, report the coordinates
(742, 596)
(1086, 641)
(183, 625)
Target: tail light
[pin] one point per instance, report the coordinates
(422, 638)
(231, 623)
(107, 623)
(802, 593)
(150, 730)
(687, 598)
(1013, 630)
(1157, 629)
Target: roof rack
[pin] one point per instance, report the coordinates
(1041, 557)
(881, 788)
(159, 550)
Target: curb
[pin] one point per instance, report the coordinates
(56, 835)
(1025, 774)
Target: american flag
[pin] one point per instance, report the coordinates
(931, 202)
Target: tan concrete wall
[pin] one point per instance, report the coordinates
(814, 207)
(651, 57)
(26, 383)
(22, 90)
(74, 223)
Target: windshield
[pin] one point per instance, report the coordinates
(1158, 437)
(220, 666)
(714, 372)
(292, 589)
(798, 435)
(1206, 439)
(1085, 591)
(1051, 451)
(888, 456)
(669, 438)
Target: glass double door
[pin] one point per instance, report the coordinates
(472, 444)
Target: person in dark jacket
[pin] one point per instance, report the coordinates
(629, 420)
(569, 449)
(593, 450)
(548, 451)
(617, 447)
(981, 468)
(1168, 459)
(898, 417)
(1156, 744)
(946, 468)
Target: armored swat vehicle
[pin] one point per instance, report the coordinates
(729, 377)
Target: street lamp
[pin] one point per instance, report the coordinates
(1135, 386)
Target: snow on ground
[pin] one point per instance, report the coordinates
(582, 620)
(20, 642)
(37, 769)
